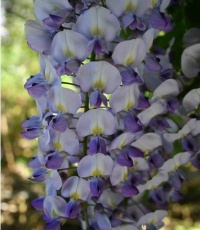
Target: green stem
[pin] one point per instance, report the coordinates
(92, 58)
(86, 216)
(68, 83)
(67, 168)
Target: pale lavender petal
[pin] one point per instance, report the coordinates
(157, 108)
(129, 53)
(148, 38)
(118, 7)
(119, 174)
(148, 142)
(191, 100)
(60, 100)
(55, 179)
(76, 188)
(96, 165)
(190, 61)
(37, 38)
(54, 204)
(96, 122)
(167, 88)
(175, 162)
(122, 140)
(43, 8)
(189, 127)
(98, 22)
(159, 178)
(69, 45)
(99, 75)
(102, 219)
(66, 141)
(70, 186)
(140, 164)
(125, 98)
(152, 216)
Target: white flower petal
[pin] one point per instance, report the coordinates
(96, 122)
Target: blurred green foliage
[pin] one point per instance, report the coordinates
(18, 63)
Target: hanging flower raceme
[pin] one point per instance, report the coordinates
(111, 113)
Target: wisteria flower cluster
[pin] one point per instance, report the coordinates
(111, 113)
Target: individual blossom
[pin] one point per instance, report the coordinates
(77, 189)
(68, 49)
(103, 27)
(96, 122)
(190, 61)
(52, 14)
(129, 53)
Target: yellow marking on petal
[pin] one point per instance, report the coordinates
(98, 85)
(121, 145)
(153, 221)
(175, 167)
(69, 53)
(124, 176)
(129, 61)
(58, 145)
(130, 6)
(97, 172)
(97, 130)
(47, 75)
(54, 213)
(60, 108)
(75, 195)
(153, 2)
(129, 105)
(146, 151)
(97, 32)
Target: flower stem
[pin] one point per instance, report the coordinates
(92, 58)
(68, 83)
